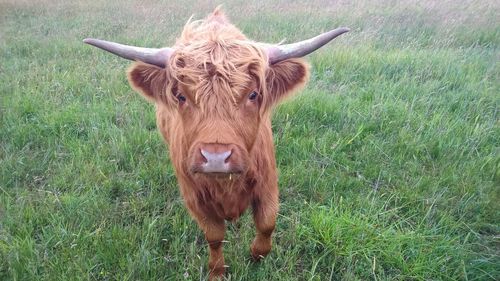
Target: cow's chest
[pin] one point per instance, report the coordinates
(227, 200)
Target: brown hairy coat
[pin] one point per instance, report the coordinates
(205, 100)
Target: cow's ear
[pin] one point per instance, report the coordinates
(284, 78)
(149, 80)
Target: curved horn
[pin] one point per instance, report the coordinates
(152, 56)
(299, 49)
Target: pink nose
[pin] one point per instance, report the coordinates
(216, 162)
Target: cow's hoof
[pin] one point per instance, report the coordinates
(259, 251)
(216, 274)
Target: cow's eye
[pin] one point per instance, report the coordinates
(253, 95)
(181, 98)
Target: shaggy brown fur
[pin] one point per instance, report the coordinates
(202, 102)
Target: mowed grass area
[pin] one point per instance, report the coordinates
(389, 159)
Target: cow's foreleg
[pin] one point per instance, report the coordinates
(214, 230)
(265, 210)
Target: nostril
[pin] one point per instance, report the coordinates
(203, 157)
(228, 156)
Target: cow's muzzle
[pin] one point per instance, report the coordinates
(216, 162)
(217, 158)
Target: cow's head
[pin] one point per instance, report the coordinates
(219, 87)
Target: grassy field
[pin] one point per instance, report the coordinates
(389, 159)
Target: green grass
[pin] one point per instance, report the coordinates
(389, 159)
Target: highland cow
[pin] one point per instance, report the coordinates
(214, 91)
